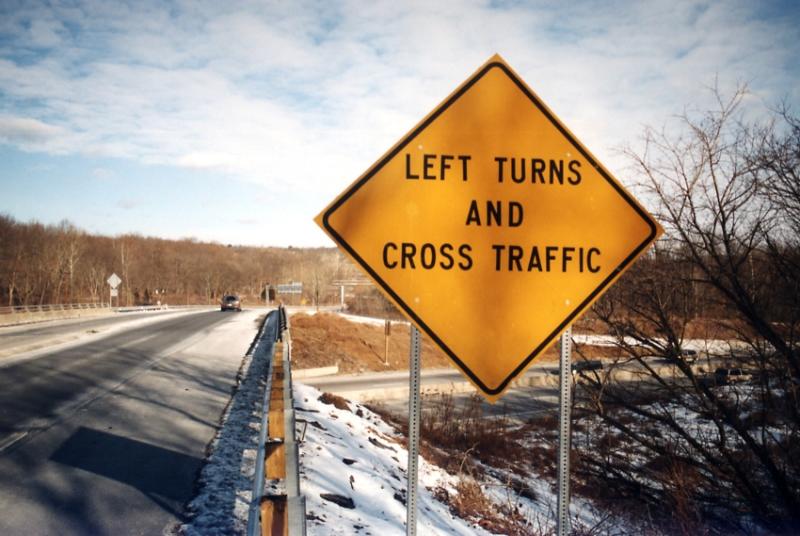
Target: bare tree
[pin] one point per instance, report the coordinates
(706, 457)
(42, 264)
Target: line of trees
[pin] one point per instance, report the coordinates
(53, 264)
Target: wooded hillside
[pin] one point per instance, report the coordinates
(43, 264)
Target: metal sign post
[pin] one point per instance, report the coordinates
(413, 432)
(387, 332)
(564, 417)
(113, 282)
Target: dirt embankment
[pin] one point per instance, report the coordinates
(322, 340)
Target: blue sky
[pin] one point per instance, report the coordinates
(237, 122)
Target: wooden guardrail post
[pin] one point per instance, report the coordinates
(274, 521)
(284, 514)
(274, 512)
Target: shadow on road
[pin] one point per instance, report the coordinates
(163, 475)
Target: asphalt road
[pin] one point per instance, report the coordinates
(25, 338)
(390, 390)
(108, 436)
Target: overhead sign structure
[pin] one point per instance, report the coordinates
(490, 226)
(113, 281)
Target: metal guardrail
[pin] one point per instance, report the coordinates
(278, 458)
(66, 307)
(283, 322)
(52, 308)
(137, 308)
(254, 517)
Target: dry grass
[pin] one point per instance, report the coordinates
(322, 340)
(456, 436)
(334, 400)
(463, 428)
(469, 502)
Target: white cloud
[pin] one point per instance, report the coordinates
(28, 133)
(303, 96)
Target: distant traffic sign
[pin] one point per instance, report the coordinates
(490, 226)
(113, 281)
(290, 288)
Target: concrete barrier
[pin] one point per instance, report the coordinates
(299, 374)
(43, 316)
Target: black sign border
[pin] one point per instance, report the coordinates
(409, 311)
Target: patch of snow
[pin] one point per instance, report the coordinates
(709, 346)
(356, 454)
(226, 480)
(540, 514)
(356, 319)
(370, 320)
(340, 444)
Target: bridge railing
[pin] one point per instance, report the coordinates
(51, 308)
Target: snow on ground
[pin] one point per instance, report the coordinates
(356, 319)
(226, 480)
(354, 454)
(708, 346)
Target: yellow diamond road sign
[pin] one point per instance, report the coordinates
(490, 226)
